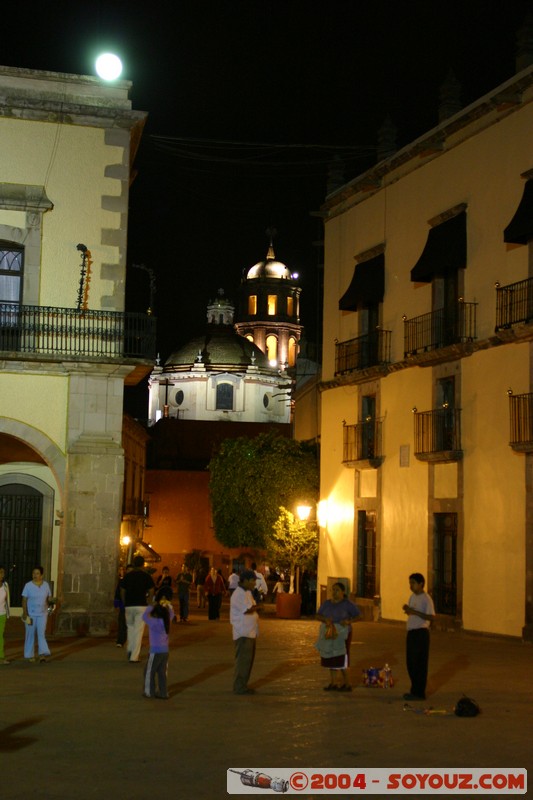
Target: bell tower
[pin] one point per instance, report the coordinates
(269, 309)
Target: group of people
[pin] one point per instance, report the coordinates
(37, 602)
(141, 602)
(336, 616)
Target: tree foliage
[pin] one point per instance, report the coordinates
(251, 479)
(293, 543)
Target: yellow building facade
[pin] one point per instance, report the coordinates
(67, 347)
(426, 423)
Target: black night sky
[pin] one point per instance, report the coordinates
(249, 102)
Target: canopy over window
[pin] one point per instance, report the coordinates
(520, 228)
(367, 286)
(445, 250)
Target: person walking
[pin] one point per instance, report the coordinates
(122, 629)
(200, 577)
(4, 613)
(36, 597)
(136, 593)
(245, 626)
(260, 590)
(233, 582)
(183, 582)
(214, 589)
(158, 618)
(420, 611)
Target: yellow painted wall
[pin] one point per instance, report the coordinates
(336, 509)
(404, 523)
(70, 162)
(43, 406)
(494, 505)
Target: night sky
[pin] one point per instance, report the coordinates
(249, 102)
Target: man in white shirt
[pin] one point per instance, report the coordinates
(420, 611)
(233, 582)
(261, 589)
(245, 623)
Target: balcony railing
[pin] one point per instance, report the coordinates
(362, 442)
(521, 422)
(440, 328)
(438, 435)
(365, 351)
(514, 304)
(46, 330)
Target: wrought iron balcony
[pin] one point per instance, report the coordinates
(514, 304)
(438, 435)
(362, 443)
(51, 331)
(365, 351)
(440, 328)
(521, 422)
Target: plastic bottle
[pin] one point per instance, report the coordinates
(386, 676)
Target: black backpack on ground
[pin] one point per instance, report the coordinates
(466, 707)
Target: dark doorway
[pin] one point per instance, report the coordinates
(21, 513)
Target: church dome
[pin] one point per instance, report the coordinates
(219, 348)
(269, 268)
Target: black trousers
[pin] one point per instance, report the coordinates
(417, 656)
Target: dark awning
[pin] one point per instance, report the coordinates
(445, 250)
(520, 228)
(367, 286)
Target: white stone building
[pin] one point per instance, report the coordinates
(220, 376)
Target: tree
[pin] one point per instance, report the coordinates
(251, 479)
(293, 543)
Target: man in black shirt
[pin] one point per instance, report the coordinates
(136, 592)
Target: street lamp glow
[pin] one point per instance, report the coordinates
(303, 512)
(108, 66)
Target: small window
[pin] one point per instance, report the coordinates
(252, 305)
(11, 258)
(224, 397)
(266, 400)
(178, 399)
(290, 306)
(272, 304)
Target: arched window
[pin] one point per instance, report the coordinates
(224, 397)
(293, 351)
(11, 257)
(272, 347)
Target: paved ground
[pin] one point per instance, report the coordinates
(78, 726)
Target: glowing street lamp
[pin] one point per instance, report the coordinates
(108, 66)
(303, 512)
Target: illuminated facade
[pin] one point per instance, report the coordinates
(67, 346)
(269, 310)
(427, 404)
